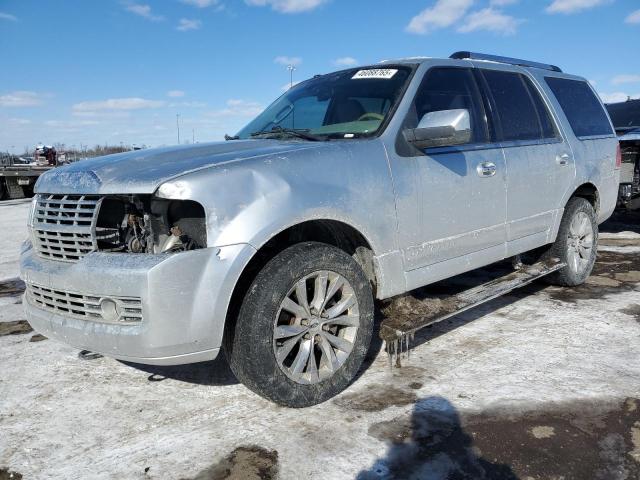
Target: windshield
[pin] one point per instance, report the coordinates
(347, 104)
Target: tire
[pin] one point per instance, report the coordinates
(579, 225)
(267, 312)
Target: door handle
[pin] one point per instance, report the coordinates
(486, 169)
(563, 159)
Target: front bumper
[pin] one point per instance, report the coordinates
(184, 299)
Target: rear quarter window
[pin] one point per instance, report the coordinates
(584, 111)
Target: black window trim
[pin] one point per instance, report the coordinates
(559, 138)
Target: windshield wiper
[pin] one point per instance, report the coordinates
(230, 137)
(280, 131)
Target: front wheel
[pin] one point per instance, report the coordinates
(304, 326)
(576, 244)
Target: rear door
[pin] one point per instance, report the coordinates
(539, 161)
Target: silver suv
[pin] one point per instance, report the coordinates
(360, 184)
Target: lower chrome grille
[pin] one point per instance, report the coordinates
(117, 310)
(64, 226)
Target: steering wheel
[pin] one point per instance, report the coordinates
(370, 116)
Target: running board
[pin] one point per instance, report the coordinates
(398, 331)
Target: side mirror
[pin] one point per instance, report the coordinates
(443, 128)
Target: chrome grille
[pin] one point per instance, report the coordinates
(64, 226)
(86, 307)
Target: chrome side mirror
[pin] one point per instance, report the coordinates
(441, 129)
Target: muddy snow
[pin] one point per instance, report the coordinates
(542, 383)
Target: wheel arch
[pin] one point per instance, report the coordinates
(332, 232)
(589, 192)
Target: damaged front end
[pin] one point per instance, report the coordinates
(68, 227)
(147, 224)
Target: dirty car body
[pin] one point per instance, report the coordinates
(141, 255)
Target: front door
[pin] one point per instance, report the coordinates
(451, 201)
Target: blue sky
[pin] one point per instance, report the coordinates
(112, 71)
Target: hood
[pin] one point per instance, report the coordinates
(143, 171)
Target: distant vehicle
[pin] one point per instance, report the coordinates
(18, 175)
(626, 120)
(360, 184)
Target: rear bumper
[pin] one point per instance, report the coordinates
(184, 299)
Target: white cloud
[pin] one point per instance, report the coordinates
(201, 3)
(20, 98)
(620, 79)
(132, 103)
(345, 62)
(502, 3)
(8, 16)
(175, 93)
(573, 6)
(238, 108)
(633, 18)
(188, 104)
(282, 60)
(185, 24)
(443, 13)
(66, 125)
(143, 11)
(491, 20)
(616, 97)
(287, 6)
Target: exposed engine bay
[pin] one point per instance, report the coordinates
(630, 172)
(146, 224)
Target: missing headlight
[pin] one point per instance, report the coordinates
(146, 224)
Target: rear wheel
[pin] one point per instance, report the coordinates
(304, 326)
(576, 244)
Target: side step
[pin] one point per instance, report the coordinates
(398, 331)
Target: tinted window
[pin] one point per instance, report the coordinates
(517, 105)
(582, 108)
(546, 122)
(449, 89)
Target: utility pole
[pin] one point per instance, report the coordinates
(291, 69)
(178, 126)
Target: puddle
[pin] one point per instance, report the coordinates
(15, 328)
(577, 440)
(374, 398)
(6, 474)
(11, 288)
(612, 273)
(244, 463)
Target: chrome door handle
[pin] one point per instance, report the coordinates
(563, 159)
(486, 169)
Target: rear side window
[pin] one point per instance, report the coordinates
(521, 112)
(584, 111)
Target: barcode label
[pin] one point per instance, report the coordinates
(385, 73)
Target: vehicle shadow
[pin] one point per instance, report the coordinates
(622, 220)
(213, 373)
(431, 444)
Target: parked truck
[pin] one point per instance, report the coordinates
(18, 178)
(356, 185)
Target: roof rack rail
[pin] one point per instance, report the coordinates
(499, 59)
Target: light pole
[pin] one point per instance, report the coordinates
(178, 126)
(291, 69)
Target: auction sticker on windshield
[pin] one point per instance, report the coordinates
(385, 73)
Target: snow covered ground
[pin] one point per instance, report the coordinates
(542, 383)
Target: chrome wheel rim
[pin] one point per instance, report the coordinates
(313, 338)
(580, 243)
